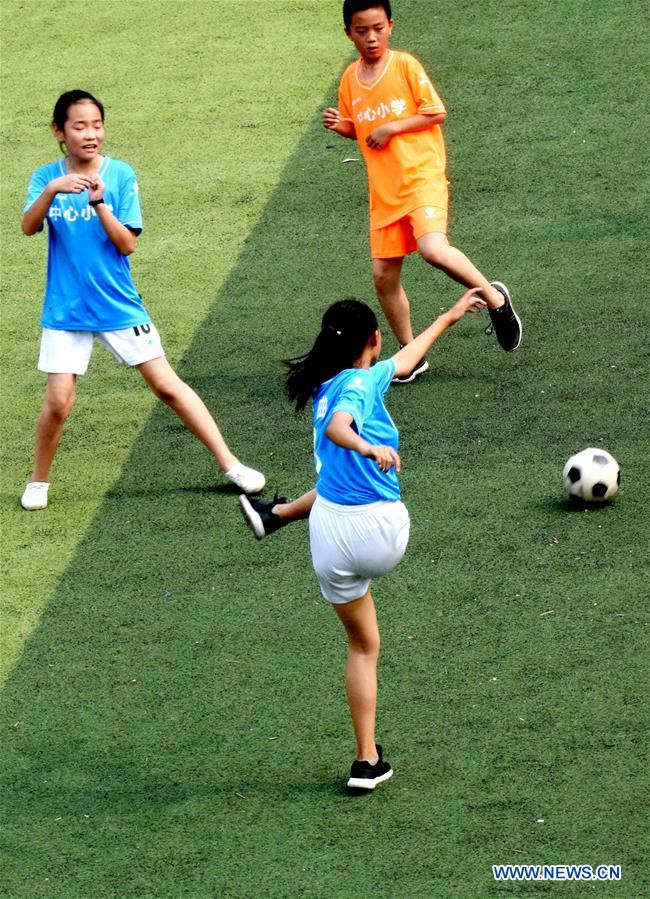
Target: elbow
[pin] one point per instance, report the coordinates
(128, 247)
(27, 229)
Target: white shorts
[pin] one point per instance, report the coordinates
(352, 544)
(69, 352)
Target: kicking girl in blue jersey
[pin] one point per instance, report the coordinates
(358, 526)
(91, 205)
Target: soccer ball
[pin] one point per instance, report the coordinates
(592, 475)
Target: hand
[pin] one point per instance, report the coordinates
(96, 188)
(469, 302)
(380, 136)
(74, 183)
(384, 456)
(331, 118)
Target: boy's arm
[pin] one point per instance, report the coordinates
(418, 122)
(333, 122)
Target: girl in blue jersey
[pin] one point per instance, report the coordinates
(91, 205)
(358, 526)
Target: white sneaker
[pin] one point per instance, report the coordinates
(247, 479)
(35, 495)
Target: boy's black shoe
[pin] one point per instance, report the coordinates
(419, 369)
(364, 777)
(505, 321)
(259, 517)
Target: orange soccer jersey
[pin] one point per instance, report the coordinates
(410, 170)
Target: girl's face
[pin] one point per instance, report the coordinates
(83, 131)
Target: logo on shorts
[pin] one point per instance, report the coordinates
(430, 212)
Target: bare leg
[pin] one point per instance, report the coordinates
(438, 252)
(386, 274)
(189, 407)
(59, 400)
(297, 508)
(360, 621)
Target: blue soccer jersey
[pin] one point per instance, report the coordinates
(89, 285)
(344, 476)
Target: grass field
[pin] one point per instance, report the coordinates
(173, 715)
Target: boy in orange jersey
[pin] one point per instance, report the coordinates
(388, 104)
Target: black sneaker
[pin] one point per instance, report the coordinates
(505, 321)
(419, 369)
(364, 777)
(259, 517)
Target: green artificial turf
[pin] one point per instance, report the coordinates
(174, 721)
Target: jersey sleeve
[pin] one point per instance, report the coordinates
(37, 184)
(128, 211)
(383, 374)
(357, 397)
(426, 98)
(345, 110)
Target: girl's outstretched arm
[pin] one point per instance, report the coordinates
(408, 357)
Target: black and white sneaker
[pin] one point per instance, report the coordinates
(419, 369)
(259, 515)
(364, 777)
(505, 321)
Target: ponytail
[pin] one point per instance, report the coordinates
(345, 329)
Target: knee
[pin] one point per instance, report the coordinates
(434, 256)
(435, 250)
(59, 405)
(366, 645)
(384, 281)
(167, 389)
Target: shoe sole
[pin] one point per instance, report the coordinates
(253, 518)
(501, 287)
(418, 371)
(33, 508)
(363, 785)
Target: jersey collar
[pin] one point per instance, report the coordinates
(368, 85)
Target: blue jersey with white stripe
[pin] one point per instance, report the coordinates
(345, 476)
(89, 285)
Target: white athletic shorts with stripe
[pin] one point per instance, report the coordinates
(69, 352)
(350, 545)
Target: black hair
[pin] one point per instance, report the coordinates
(66, 100)
(344, 333)
(350, 7)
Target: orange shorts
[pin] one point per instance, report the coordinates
(400, 237)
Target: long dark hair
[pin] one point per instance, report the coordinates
(344, 333)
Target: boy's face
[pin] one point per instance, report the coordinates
(370, 31)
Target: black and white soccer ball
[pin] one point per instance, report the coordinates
(592, 475)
